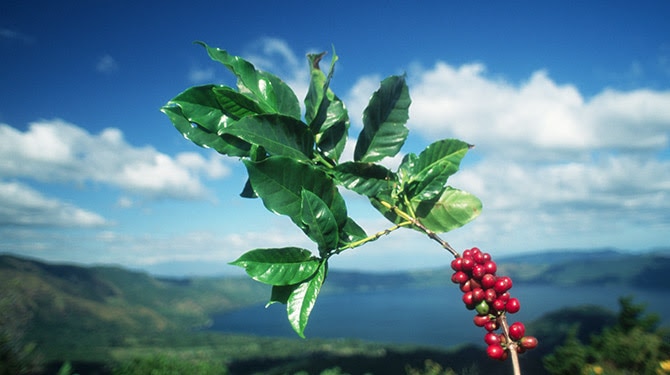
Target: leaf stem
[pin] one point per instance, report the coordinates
(374, 237)
(422, 227)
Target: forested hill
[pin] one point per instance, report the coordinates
(67, 302)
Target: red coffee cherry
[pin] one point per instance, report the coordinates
(528, 342)
(481, 320)
(488, 281)
(492, 338)
(513, 306)
(516, 331)
(495, 351)
(491, 326)
(491, 267)
(459, 277)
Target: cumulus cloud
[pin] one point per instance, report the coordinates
(57, 151)
(538, 115)
(24, 206)
(550, 164)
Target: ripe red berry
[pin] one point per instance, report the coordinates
(499, 304)
(490, 295)
(492, 338)
(495, 351)
(456, 264)
(491, 326)
(468, 300)
(491, 267)
(478, 257)
(478, 271)
(503, 284)
(481, 320)
(488, 281)
(467, 253)
(528, 342)
(516, 331)
(513, 306)
(467, 264)
(478, 295)
(459, 277)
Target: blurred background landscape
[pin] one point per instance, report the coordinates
(99, 318)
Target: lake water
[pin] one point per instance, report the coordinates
(432, 316)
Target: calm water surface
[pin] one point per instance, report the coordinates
(432, 316)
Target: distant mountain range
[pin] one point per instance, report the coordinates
(65, 309)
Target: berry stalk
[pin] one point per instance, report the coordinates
(488, 294)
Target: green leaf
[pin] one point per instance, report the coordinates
(270, 92)
(430, 171)
(277, 134)
(318, 84)
(367, 179)
(200, 135)
(234, 104)
(279, 181)
(351, 232)
(320, 222)
(452, 209)
(283, 266)
(324, 111)
(334, 131)
(201, 105)
(281, 293)
(301, 301)
(384, 119)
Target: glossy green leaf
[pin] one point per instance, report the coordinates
(431, 169)
(324, 111)
(367, 179)
(270, 92)
(279, 181)
(320, 223)
(318, 84)
(277, 134)
(334, 131)
(351, 232)
(384, 131)
(281, 294)
(225, 144)
(201, 105)
(452, 209)
(234, 104)
(301, 301)
(282, 266)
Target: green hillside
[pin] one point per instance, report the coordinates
(66, 309)
(100, 315)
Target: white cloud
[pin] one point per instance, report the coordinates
(199, 75)
(13, 35)
(551, 166)
(58, 151)
(22, 205)
(537, 115)
(107, 64)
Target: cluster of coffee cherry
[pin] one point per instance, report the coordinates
(489, 296)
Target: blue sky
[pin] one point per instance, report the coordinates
(568, 105)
